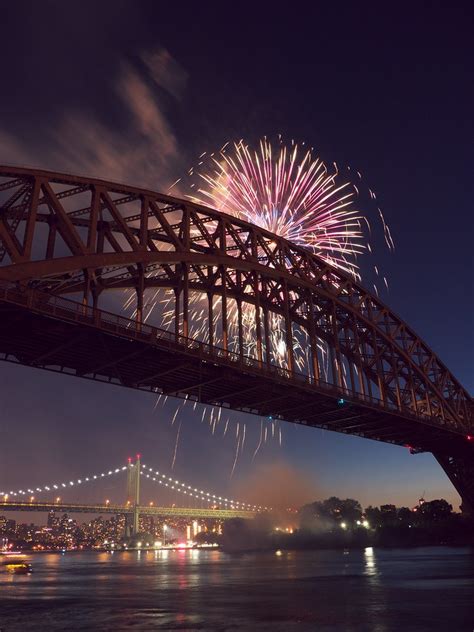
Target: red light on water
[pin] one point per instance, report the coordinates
(469, 437)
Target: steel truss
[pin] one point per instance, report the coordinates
(70, 236)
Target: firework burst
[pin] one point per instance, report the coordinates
(289, 192)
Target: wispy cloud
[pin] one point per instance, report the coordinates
(142, 151)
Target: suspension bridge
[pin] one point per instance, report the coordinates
(207, 291)
(218, 507)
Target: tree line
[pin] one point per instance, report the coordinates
(343, 523)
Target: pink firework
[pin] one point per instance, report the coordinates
(288, 192)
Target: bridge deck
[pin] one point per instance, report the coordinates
(61, 335)
(176, 512)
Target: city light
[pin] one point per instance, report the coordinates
(343, 525)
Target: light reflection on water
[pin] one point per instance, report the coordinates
(370, 590)
(370, 568)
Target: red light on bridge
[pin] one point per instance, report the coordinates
(139, 456)
(470, 438)
(129, 460)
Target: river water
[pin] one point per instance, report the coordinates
(361, 591)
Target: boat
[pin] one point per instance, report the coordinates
(13, 562)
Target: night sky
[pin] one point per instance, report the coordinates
(386, 90)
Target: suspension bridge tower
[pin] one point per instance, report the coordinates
(133, 496)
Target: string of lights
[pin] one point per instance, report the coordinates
(61, 486)
(149, 473)
(200, 494)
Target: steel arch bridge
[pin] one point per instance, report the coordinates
(223, 312)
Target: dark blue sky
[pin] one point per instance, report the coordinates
(387, 90)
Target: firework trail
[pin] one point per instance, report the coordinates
(260, 440)
(235, 458)
(176, 444)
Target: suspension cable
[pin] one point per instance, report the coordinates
(200, 494)
(67, 485)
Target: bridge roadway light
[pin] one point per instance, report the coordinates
(107, 502)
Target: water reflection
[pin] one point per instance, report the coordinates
(369, 557)
(381, 591)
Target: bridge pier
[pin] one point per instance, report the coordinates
(128, 526)
(460, 471)
(132, 521)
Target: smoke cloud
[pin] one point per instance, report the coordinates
(278, 485)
